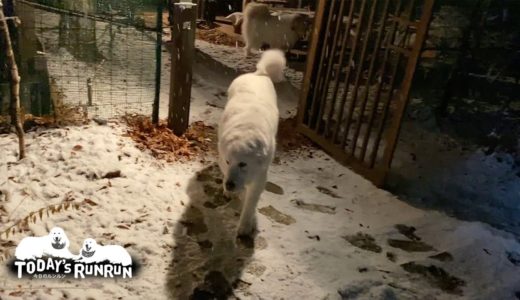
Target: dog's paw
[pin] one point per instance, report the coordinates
(247, 229)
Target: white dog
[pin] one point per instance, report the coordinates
(260, 28)
(55, 244)
(247, 134)
(92, 252)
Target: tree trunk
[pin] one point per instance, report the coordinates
(14, 79)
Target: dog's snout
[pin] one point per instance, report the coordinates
(57, 239)
(230, 185)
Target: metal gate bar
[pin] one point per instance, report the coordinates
(360, 68)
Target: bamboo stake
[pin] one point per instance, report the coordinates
(15, 83)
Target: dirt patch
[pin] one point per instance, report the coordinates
(274, 188)
(215, 286)
(514, 258)
(217, 196)
(164, 144)
(410, 246)
(443, 256)
(275, 215)
(437, 277)
(68, 116)
(391, 256)
(256, 269)
(217, 37)
(328, 192)
(194, 222)
(363, 241)
(407, 231)
(327, 209)
(289, 139)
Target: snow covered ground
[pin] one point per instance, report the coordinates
(324, 232)
(173, 221)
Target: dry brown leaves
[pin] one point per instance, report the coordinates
(164, 144)
(215, 36)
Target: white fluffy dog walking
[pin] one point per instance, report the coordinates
(260, 28)
(247, 134)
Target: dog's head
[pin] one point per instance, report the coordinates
(89, 247)
(58, 238)
(244, 161)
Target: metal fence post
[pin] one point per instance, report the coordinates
(183, 36)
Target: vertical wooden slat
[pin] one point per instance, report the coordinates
(389, 99)
(349, 70)
(365, 96)
(344, 44)
(310, 65)
(413, 60)
(377, 97)
(360, 65)
(326, 48)
(333, 46)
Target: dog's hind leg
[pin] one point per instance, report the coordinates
(247, 223)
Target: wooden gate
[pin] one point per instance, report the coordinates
(360, 68)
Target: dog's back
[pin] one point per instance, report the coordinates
(252, 109)
(260, 28)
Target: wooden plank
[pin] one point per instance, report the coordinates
(310, 66)
(360, 64)
(339, 67)
(349, 63)
(183, 51)
(365, 96)
(379, 87)
(320, 80)
(413, 60)
(323, 97)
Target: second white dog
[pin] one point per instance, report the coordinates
(247, 134)
(260, 28)
(92, 252)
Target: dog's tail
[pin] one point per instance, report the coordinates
(272, 63)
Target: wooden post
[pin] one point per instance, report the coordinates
(158, 64)
(14, 79)
(183, 36)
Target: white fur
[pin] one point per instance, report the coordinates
(113, 253)
(236, 18)
(247, 133)
(32, 247)
(260, 28)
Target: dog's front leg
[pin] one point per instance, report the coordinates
(247, 223)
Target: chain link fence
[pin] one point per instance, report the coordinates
(85, 58)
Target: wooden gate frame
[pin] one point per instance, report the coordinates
(374, 172)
